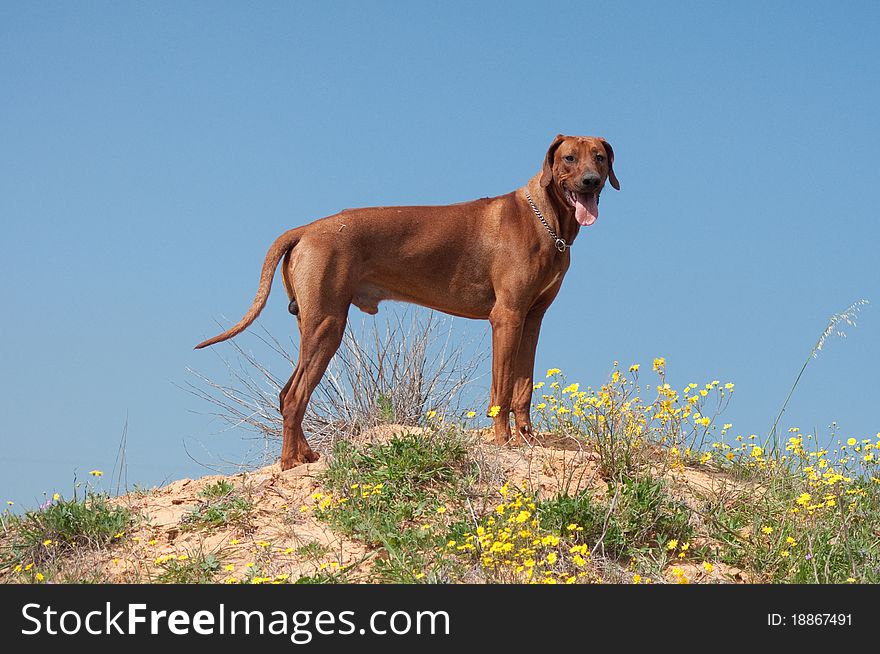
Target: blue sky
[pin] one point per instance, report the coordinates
(150, 152)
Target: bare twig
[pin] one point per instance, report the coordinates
(387, 370)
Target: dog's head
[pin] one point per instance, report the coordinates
(575, 171)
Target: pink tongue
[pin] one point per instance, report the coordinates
(586, 209)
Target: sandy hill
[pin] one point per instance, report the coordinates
(268, 526)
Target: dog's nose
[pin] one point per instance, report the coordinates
(590, 181)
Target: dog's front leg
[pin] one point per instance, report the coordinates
(524, 375)
(507, 327)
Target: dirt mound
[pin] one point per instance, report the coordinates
(276, 534)
(261, 525)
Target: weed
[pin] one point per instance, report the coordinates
(313, 550)
(193, 568)
(64, 525)
(218, 489)
(222, 507)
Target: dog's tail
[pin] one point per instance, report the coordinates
(281, 247)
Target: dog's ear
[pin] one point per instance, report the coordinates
(611, 176)
(547, 173)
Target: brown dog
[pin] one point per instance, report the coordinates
(500, 258)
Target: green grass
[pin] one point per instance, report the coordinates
(635, 516)
(580, 509)
(223, 506)
(219, 489)
(390, 491)
(193, 568)
(644, 517)
(411, 466)
(385, 406)
(65, 525)
(834, 545)
(321, 578)
(312, 551)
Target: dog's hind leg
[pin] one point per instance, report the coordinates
(321, 336)
(283, 394)
(293, 308)
(323, 290)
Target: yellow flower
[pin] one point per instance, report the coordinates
(471, 414)
(804, 499)
(47, 542)
(757, 452)
(659, 364)
(634, 368)
(553, 371)
(494, 411)
(767, 530)
(708, 567)
(40, 576)
(431, 414)
(96, 473)
(540, 384)
(441, 509)
(56, 497)
(671, 545)
(229, 568)
(784, 553)
(637, 578)
(851, 442)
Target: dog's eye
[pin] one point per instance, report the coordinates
(600, 158)
(569, 158)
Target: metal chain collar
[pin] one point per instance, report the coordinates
(561, 245)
